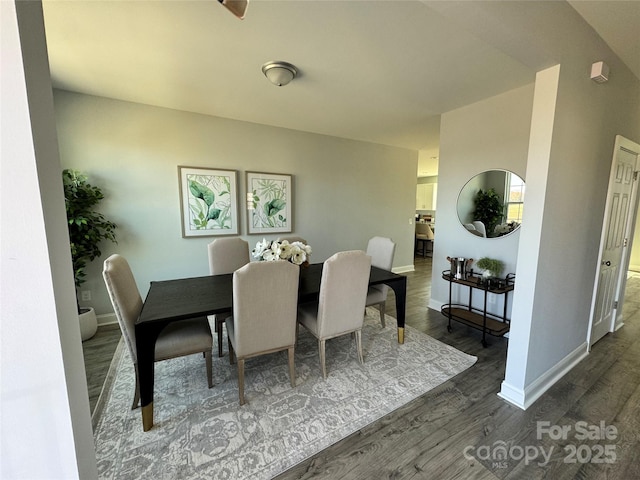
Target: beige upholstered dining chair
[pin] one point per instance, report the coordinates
(177, 339)
(381, 250)
(343, 292)
(265, 298)
(424, 237)
(480, 228)
(226, 255)
(291, 239)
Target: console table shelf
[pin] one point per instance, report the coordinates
(479, 318)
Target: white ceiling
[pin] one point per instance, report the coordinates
(377, 71)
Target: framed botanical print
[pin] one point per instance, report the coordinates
(269, 203)
(208, 201)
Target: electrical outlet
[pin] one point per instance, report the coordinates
(411, 221)
(86, 295)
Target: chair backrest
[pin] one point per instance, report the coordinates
(381, 250)
(424, 230)
(125, 298)
(226, 255)
(343, 292)
(265, 303)
(292, 239)
(480, 227)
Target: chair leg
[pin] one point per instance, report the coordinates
(292, 366)
(241, 380)
(323, 366)
(136, 395)
(219, 329)
(381, 309)
(209, 363)
(359, 346)
(232, 354)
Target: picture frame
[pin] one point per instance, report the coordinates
(269, 202)
(208, 201)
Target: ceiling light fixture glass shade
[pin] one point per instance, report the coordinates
(237, 7)
(279, 73)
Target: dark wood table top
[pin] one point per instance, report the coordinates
(193, 297)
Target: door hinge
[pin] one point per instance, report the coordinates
(615, 305)
(635, 175)
(626, 242)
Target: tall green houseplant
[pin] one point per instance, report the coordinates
(87, 227)
(488, 209)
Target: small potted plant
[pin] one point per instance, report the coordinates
(87, 229)
(492, 267)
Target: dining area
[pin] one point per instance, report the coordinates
(261, 299)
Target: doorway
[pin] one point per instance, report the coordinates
(616, 241)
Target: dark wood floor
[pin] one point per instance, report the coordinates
(428, 437)
(98, 353)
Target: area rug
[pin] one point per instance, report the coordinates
(202, 433)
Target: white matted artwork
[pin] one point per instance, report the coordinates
(208, 201)
(269, 203)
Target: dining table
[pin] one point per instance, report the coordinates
(180, 299)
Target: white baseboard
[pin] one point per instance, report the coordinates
(435, 304)
(404, 269)
(524, 398)
(107, 319)
(515, 396)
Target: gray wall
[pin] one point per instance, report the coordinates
(345, 191)
(492, 134)
(573, 131)
(572, 206)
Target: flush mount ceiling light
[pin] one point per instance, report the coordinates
(237, 7)
(279, 73)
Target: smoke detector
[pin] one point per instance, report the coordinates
(599, 72)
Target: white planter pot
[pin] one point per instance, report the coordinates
(88, 324)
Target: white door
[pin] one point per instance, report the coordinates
(620, 208)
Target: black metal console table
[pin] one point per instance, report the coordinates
(479, 318)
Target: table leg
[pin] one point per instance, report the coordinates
(146, 336)
(399, 287)
(147, 417)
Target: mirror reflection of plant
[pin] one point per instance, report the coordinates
(204, 207)
(488, 209)
(272, 195)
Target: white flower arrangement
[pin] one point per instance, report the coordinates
(297, 252)
(505, 228)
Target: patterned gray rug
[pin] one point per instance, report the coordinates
(202, 433)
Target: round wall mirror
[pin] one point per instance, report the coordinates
(490, 204)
